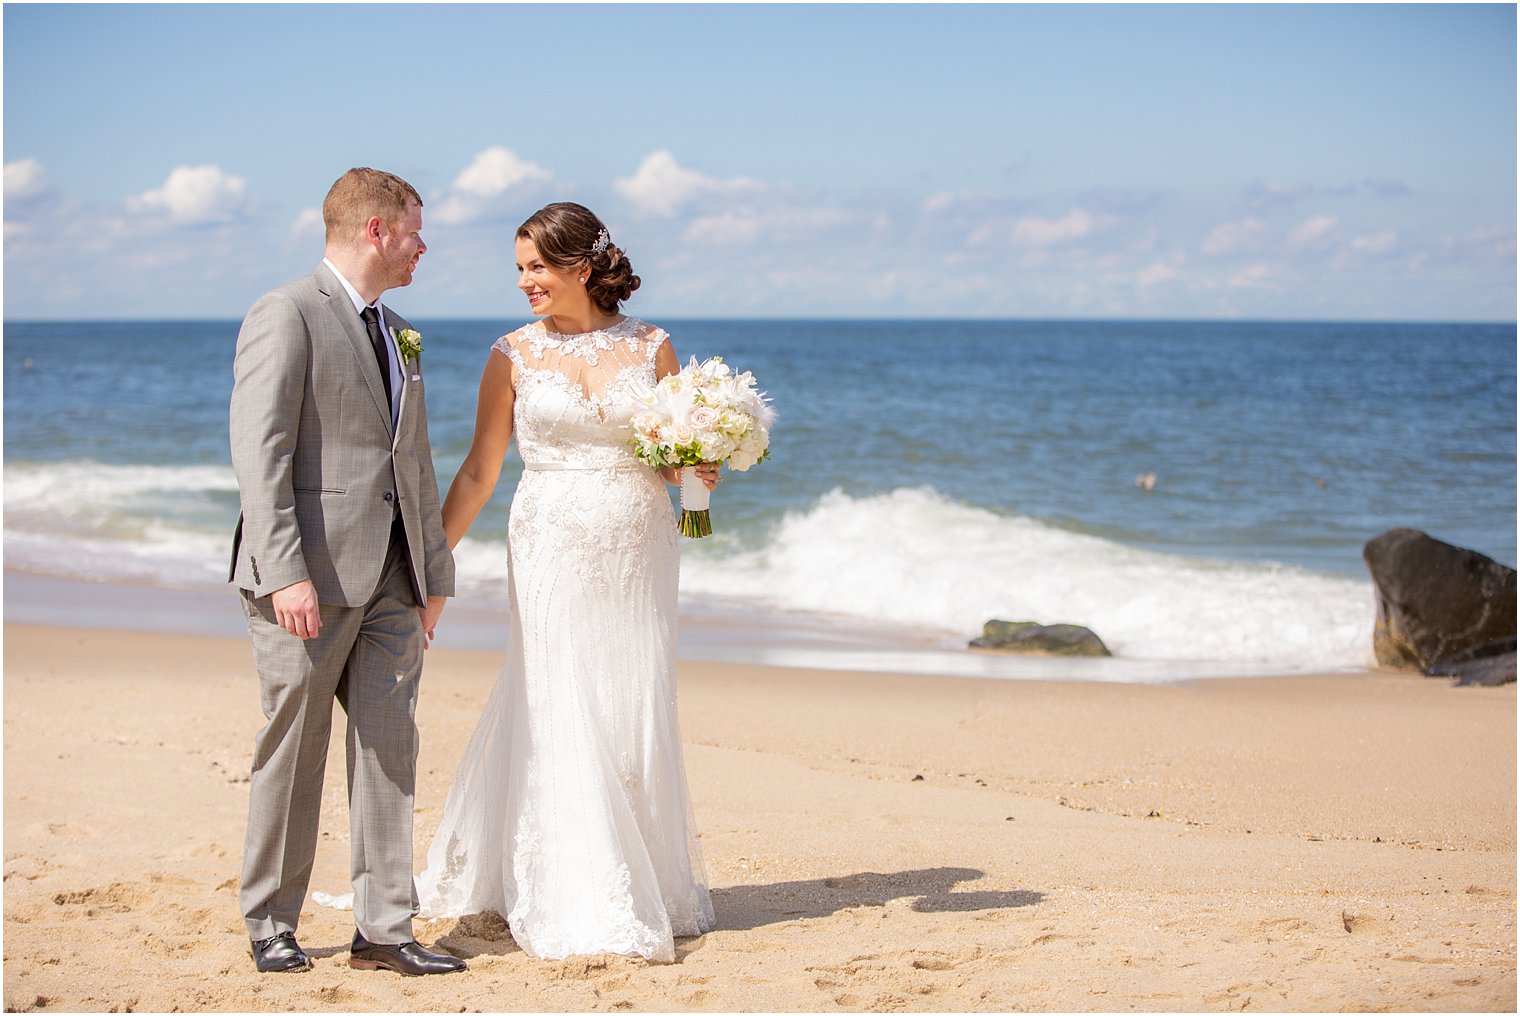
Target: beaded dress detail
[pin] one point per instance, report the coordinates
(570, 815)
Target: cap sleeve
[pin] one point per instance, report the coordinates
(507, 348)
(655, 338)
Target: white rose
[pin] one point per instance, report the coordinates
(718, 447)
(750, 449)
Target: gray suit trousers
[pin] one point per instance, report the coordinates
(369, 659)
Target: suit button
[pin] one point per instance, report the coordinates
(387, 495)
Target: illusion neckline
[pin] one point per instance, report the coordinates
(562, 336)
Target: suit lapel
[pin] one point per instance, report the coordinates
(342, 310)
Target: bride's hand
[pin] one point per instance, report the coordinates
(707, 472)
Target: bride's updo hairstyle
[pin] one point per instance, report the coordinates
(569, 235)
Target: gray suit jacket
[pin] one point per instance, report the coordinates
(320, 472)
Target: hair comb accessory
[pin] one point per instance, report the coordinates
(602, 240)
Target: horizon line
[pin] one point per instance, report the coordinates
(1511, 322)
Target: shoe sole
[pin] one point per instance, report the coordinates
(358, 964)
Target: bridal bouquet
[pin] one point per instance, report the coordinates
(706, 413)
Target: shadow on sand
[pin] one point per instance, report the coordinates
(743, 907)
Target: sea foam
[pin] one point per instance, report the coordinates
(911, 560)
(912, 557)
(168, 525)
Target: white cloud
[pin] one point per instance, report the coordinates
(660, 186)
(24, 178)
(1033, 231)
(727, 229)
(194, 194)
(1038, 233)
(478, 190)
(1313, 232)
(1256, 276)
(1492, 241)
(939, 202)
(308, 223)
(742, 227)
(1361, 248)
(495, 171)
(1377, 243)
(1229, 237)
(1156, 273)
(1260, 194)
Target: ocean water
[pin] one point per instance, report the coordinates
(926, 476)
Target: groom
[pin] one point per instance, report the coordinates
(343, 567)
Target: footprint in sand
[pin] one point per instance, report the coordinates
(116, 898)
(336, 994)
(1360, 924)
(487, 927)
(1286, 928)
(578, 968)
(933, 964)
(859, 983)
(1231, 994)
(26, 867)
(68, 829)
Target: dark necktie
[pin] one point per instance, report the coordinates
(377, 340)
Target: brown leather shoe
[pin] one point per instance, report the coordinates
(280, 954)
(408, 958)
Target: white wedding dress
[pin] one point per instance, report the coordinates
(569, 815)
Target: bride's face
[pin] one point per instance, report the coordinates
(549, 290)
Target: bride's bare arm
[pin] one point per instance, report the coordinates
(477, 477)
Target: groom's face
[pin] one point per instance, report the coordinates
(402, 247)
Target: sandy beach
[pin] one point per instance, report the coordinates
(874, 842)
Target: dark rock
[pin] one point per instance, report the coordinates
(1486, 670)
(1035, 638)
(1441, 609)
(1489, 664)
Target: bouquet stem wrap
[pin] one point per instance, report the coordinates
(695, 498)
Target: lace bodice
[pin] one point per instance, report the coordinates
(574, 393)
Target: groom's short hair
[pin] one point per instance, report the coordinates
(362, 192)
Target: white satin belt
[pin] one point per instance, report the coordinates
(550, 466)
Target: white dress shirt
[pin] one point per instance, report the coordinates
(392, 356)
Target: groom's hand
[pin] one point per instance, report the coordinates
(430, 615)
(295, 608)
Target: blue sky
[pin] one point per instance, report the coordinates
(1321, 162)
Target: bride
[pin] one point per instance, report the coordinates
(569, 815)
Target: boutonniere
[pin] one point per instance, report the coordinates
(409, 342)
